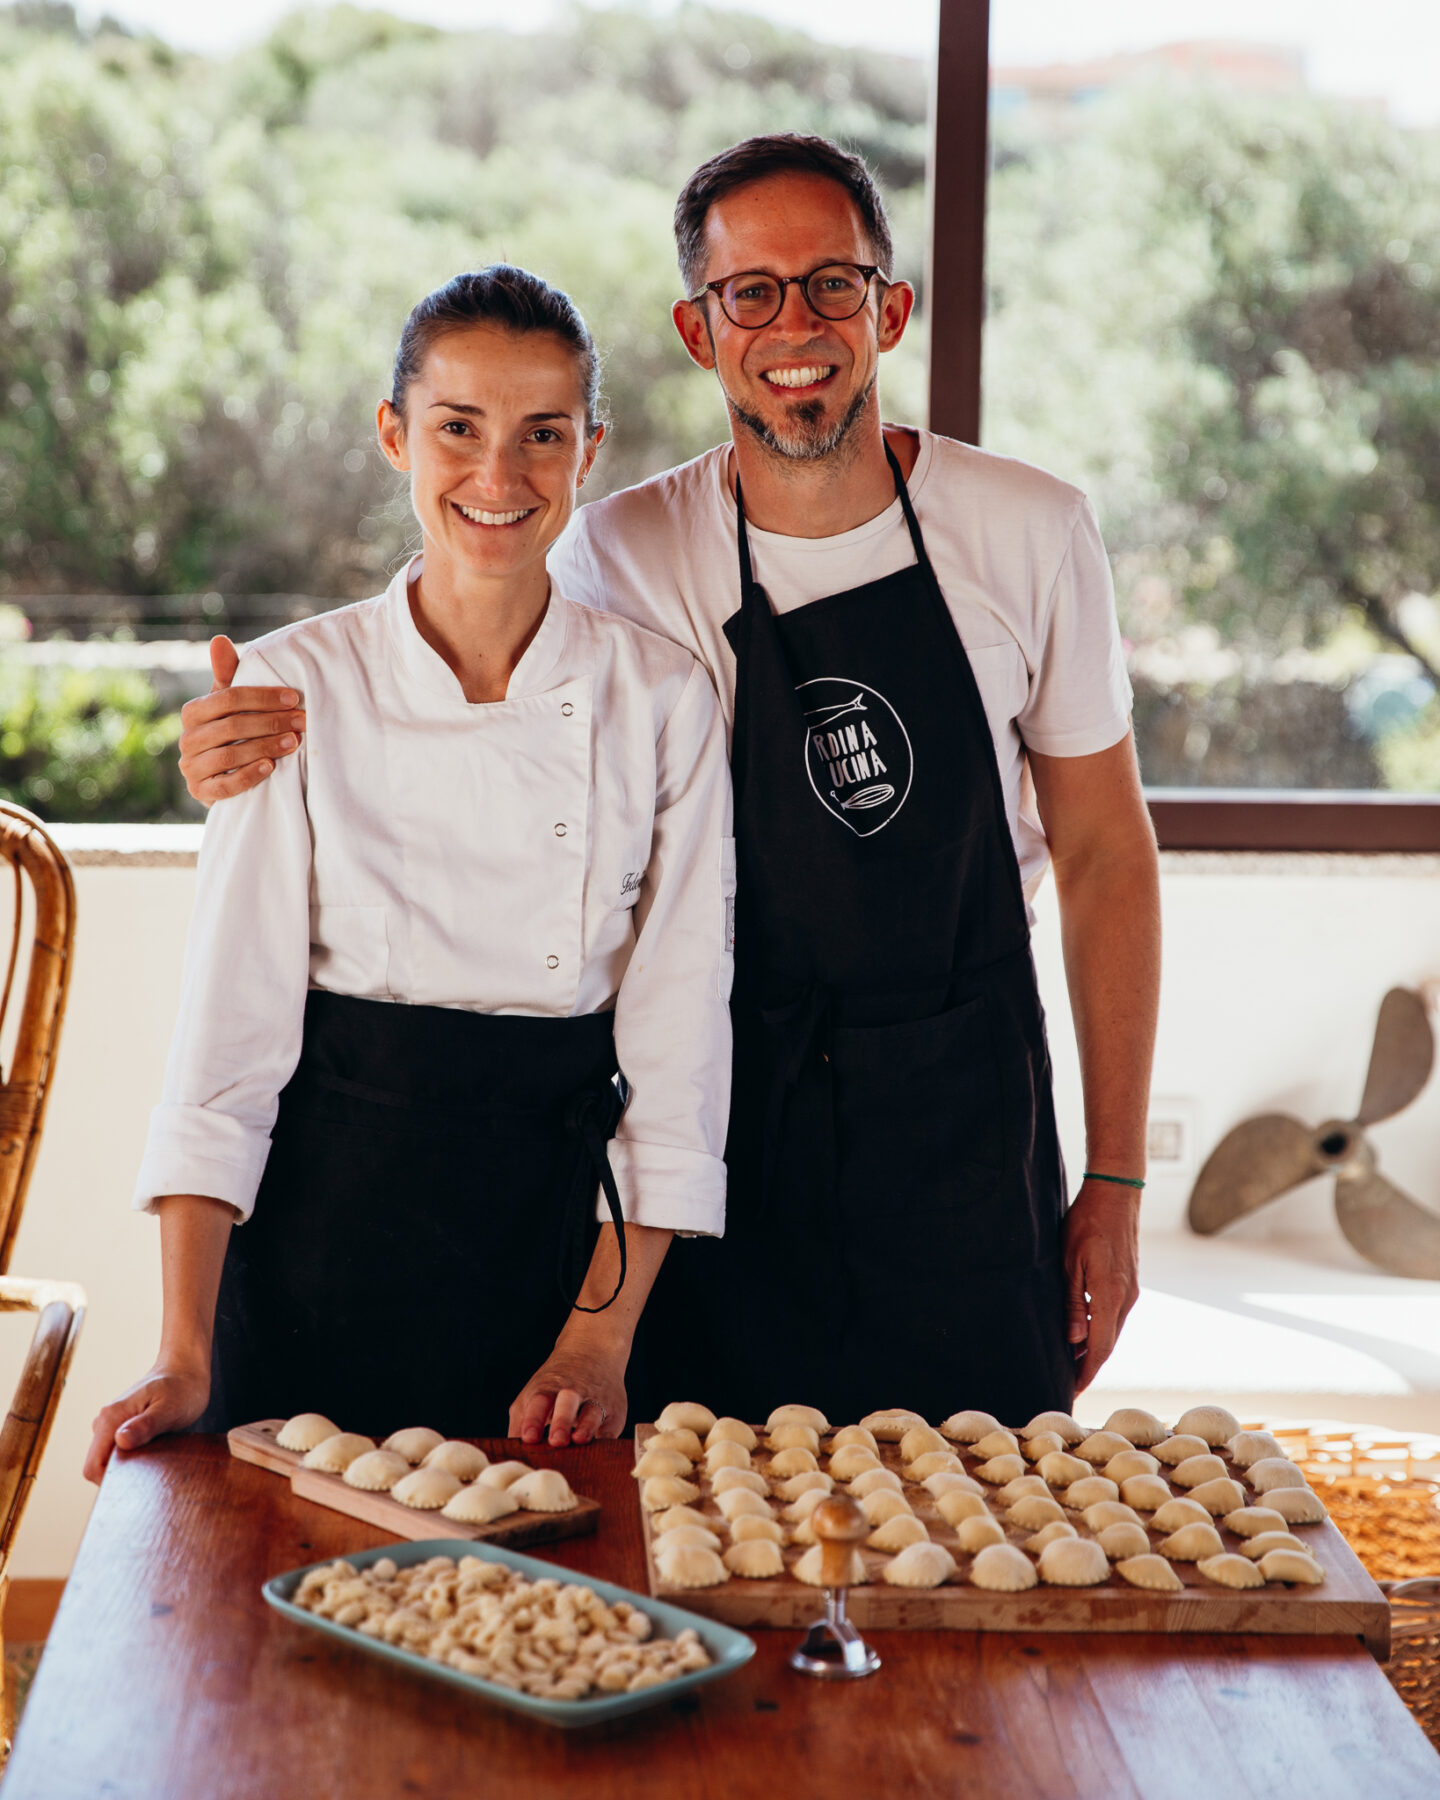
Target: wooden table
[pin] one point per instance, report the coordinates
(166, 1675)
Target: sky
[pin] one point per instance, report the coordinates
(1388, 49)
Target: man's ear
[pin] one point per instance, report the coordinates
(693, 324)
(390, 429)
(896, 305)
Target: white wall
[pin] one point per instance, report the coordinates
(1274, 967)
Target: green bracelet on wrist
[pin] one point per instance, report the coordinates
(1118, 1180)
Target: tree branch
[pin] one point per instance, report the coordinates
(1385, 625)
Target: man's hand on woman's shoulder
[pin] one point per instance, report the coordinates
(231, 738)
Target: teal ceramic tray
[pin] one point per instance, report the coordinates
(729, 1649)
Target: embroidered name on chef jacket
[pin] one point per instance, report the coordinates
(857, 752)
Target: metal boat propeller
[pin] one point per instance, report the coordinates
(1267, 1156)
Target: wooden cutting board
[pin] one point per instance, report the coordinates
(1349, 1604)
(256, 1444)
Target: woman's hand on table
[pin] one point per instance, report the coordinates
(167, 1399)
(578, 1396)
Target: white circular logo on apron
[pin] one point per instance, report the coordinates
(857, 752)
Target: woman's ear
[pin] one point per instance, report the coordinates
(587, 461)
(390, 429)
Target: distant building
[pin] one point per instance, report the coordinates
(1059, 88)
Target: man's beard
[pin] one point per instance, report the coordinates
(804, 437)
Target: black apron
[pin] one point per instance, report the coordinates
(425, 1220)
(895, 1184)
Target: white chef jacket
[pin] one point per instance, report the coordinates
(560, 852)
(1016, 551)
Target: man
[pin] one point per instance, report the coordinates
(914, 644)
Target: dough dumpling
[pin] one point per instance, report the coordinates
(882, 1505)
(1001, 1469)
(305, 1431)
(755, 1559)
(1195, 1469)
(1252, 1521)
(502, 1474)
(1108, 1512)
(798, 1415)
(1248, 1447)
(545, 1490)
(920, 1438)
(731, 1431)
(803, 1507)
(1267, 1541)
(726, 1455)
(920, 1566)
(1212, 1423)
(868, 1480)
(690, 1566)
(946, 1482)
(1122, 1542)
(1172, 1451)
(660, 1491)
(753, 1530)
(957, 1504)
(685, 1442)
(1042, 1444)
(1100, 1446)
(337, 1453)
(802, 1484)
(739, 1501)
(994, 1443)
(458, 1457)
(1230, 1571)
(376, 1471)
(851, 1460)
(1137, 1426)
(658, 1462)
(1287, 1565)
(849, 1435)
(1030, 1511)
(1003, 1569)
(1091, 1488)
(686, 1415)
(1059, 1468)
(1175, 1513)
(1064, 1427)
(1273, 1472)
(1219, 1497)
(674, 1517)
(1073, 1562)
(1130, 1462)
(968, 1427)
(934, 1462)
(794, 1437)
(809, 1567)
(740, 1478)
(791, 1462)
(897, 1533)
(692, 1534)
(426, 1489)
(1149, 1571)
(1191, 1542)
(1296, 1506)
(1047, 1534)
(414, 1443)
(1018, 1488)
(1146, 1493)
(890, 1426)
(476, 1505)
(974, 1534)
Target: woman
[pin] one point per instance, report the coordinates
(494, 870)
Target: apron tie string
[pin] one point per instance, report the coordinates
(591, 1116)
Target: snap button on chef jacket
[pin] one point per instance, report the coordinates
(556, 854)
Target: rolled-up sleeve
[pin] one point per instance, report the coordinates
(242, 1001)
(672, 1015)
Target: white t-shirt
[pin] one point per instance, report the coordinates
(1017, 553)
(561, 852)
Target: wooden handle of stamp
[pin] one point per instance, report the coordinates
(839, 1524)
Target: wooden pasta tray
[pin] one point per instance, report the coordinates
(1349, 1604)
(256, 1444)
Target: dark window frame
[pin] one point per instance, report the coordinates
(1365, 823)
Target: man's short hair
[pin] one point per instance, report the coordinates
(778, 153)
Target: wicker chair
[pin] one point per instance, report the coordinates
(28, 848)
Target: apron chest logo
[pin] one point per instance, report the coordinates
(857, 752)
